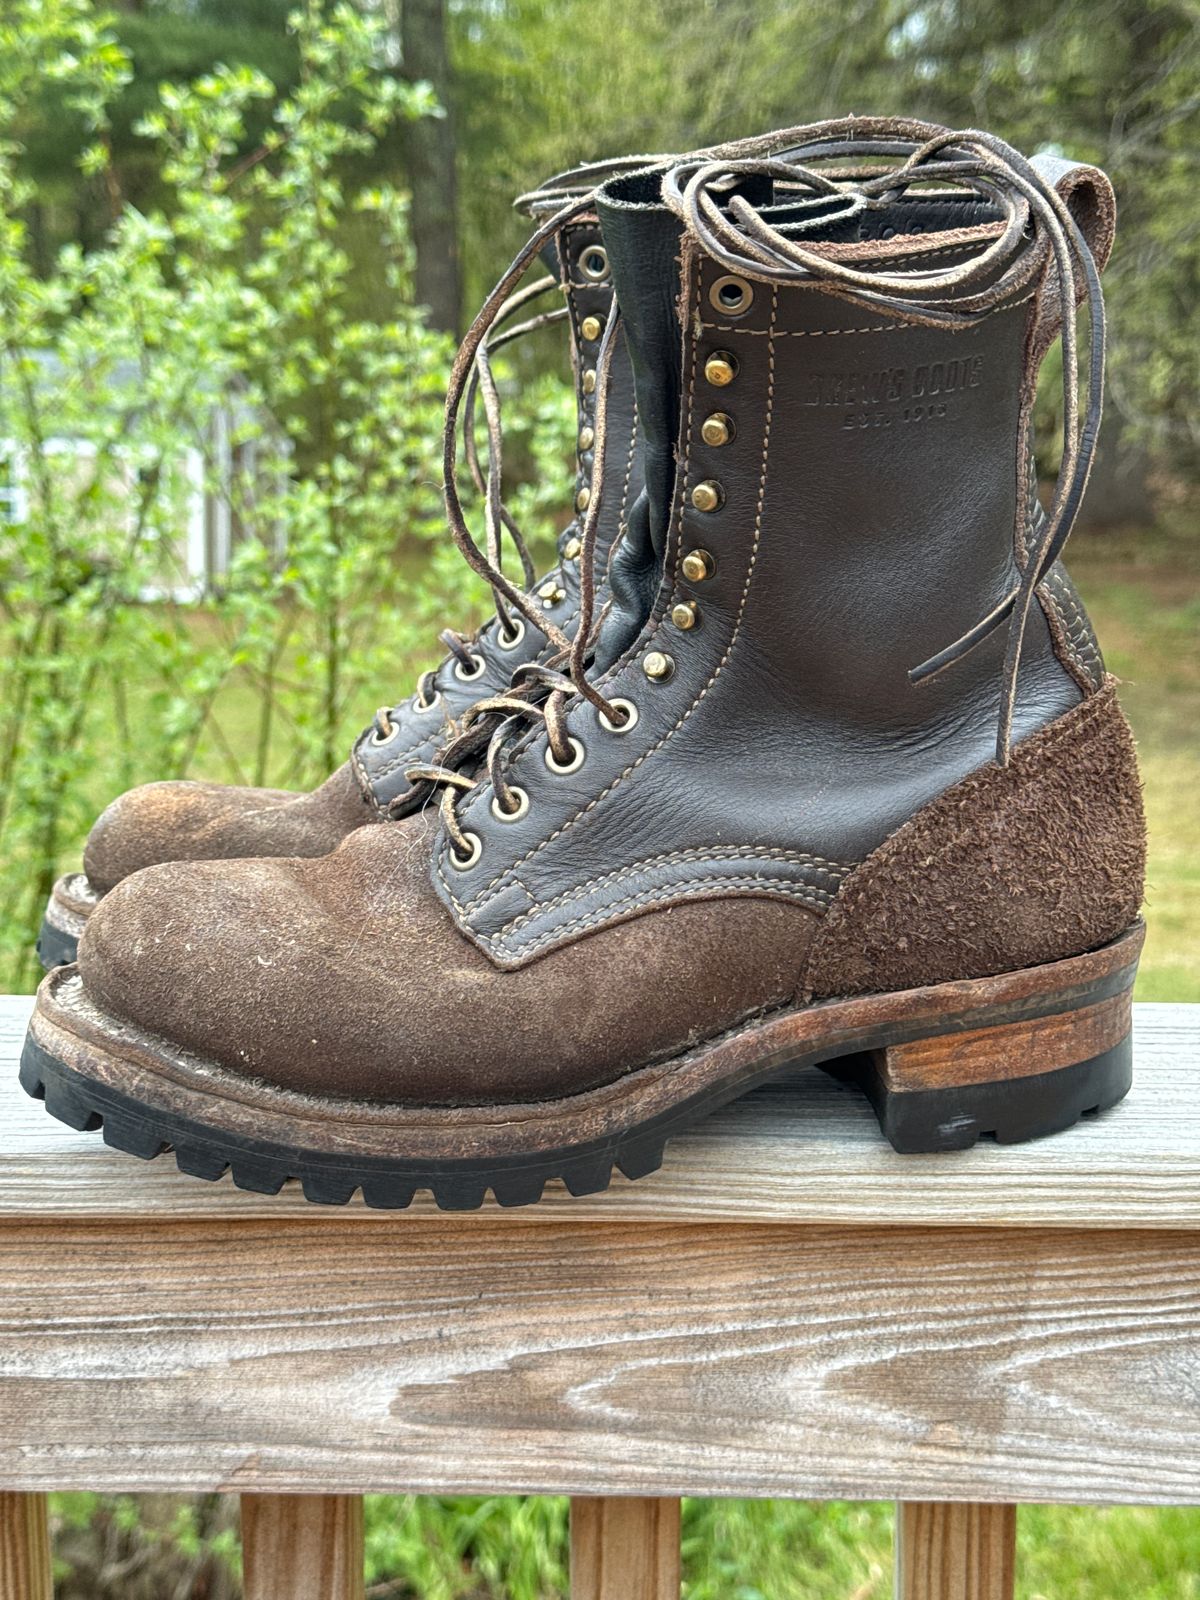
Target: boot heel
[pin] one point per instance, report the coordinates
(1014, 1080)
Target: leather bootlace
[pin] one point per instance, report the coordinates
(1034, 218)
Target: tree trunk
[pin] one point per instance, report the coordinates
(430, 147)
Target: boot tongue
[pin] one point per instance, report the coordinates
(643, 242)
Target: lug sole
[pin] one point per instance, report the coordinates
(71, 902)
(1014, 1057)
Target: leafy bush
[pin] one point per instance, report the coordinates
(207, 363)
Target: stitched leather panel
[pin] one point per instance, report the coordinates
(869, 514)
(380, 766)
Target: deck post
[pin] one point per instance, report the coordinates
(302, 1546)
(624, 1548)
(25, 1572)
(947, 1551)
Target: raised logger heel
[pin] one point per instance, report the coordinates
(1012, 1080)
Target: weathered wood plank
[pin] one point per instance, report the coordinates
(25, 1572)
(625, 1549)
(808, 1151)
(955, 1552)
(936, 1364)
(302, 1547)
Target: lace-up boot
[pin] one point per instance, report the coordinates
(839, 781)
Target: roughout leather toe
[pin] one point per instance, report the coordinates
(184, 821)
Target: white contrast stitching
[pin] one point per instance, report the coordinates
(699, 853)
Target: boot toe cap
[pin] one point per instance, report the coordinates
(187, 821)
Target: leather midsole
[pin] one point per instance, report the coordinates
(140, 1067)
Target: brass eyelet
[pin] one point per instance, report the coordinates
(378, 739)
(510, 641)
(583, 499)
(658, 666)
(731, 295)
(717, 429)
(697, 566)
(593, 262)
(591, 328)
(424, 707)
(631, 717)
(576, 761)
(518, 811)
(462, 863)
(573, 549)
(708, 496)
(720, 369)
(685, 614)
(587, 438)
(469, 677)
(589, 381)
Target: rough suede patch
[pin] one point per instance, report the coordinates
(1012, 867)
(216, 822)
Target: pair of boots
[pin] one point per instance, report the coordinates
(803, 753)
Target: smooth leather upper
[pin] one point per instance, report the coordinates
(874, 503)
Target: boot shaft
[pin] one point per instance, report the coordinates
(849, 494)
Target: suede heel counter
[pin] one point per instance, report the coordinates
(1012, 867)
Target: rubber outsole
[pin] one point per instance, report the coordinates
(55, 947)
(952, 1118)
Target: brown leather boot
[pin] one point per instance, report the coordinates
(189, 821)
(844, 782)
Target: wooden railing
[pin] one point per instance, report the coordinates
(788, 1309)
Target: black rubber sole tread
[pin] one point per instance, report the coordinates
(922, 1122)
(54, 947)
(200, 1153)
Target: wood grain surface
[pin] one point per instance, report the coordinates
(442, 1356)
(955, 1552)
(25, 1572)
(302, 1547)
(807, 1151)
(625, 1549)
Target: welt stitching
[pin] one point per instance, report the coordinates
(833, 869)
(818, 899)
(721, 664)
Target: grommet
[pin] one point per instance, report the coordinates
(573, 549)
(720, 368)
(685, 615)
(591, 328)
(708, 496)
(698, 565)
(510, 641)
(593, 262)
(718, 429)
(462, 863)
(576, 761)
(658, 666)
(518, 811)
(631, 716)
(732, 295)
(464, 676)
